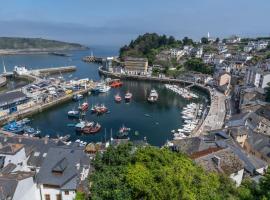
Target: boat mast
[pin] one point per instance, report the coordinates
(4, 67)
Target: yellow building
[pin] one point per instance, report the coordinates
(136, 65)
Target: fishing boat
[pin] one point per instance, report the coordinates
(153, 97)
(128, 96)
(79, 126)
(77, 97)
(104, 88)
(84, 106)
(94, 128)
(74, 113)
(115, 83)
(101, 109)
(117, 98)
(123, 132)
(101, 88)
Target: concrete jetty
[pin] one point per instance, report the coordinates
(54, 70)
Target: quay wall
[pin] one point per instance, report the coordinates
(40, 108)
(3, 81)
(165, 80)
(153, 79)
(55, 70)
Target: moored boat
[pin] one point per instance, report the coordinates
(77, 97)
(128, 96)
(84, 106)
(117, 98)
(74, 113)
(115, 83)
(94, 128)
(123, 132)
(153, 97)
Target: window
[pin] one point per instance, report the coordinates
(47, 197)
(58, 197)
(66, 192)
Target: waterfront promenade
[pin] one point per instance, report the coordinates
(216, 115)
(217, 111)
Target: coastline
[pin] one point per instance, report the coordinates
(37, 51)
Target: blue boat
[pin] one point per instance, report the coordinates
(14, 127)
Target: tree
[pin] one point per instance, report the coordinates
(187, 41)
(153, 173)
(80, 196)
(204, 40)
(196, 64)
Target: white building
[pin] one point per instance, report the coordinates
(177, 53)
(63, 172)
(18, 186)
(234, 39)
(257, 77)
(199, 52)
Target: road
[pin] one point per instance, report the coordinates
(216, 115)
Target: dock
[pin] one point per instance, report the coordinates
(38, 108)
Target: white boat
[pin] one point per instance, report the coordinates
(153, 97)
(104, 88)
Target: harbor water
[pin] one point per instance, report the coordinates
(151, 121)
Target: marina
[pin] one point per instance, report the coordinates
(153, 122)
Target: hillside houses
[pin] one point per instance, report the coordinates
(42, 169)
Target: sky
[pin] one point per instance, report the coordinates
(116, 22)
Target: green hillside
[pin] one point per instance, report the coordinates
(17, 43)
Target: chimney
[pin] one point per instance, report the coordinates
(5, 139)
(20, 139)
(216, 160)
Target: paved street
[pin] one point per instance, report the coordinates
(216, 115)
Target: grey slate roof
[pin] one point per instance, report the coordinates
(10, 97)
(229, 162)
(62, 167)
(251, 163)
(260, 143)
(35, 148)
(191, 145)
(9, 182)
